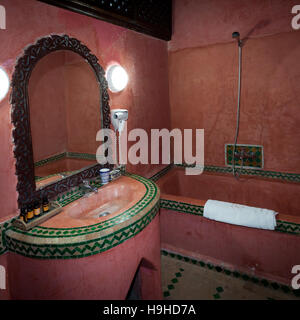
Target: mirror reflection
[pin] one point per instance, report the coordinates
(65, 116)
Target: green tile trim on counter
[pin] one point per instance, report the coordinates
(233, 273)
(63, 199)
(66, 243)
(81, 249)
(43, 232)
(3, 227)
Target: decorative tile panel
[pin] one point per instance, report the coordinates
(253, 156)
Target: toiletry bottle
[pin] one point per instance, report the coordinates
(37, 208)
(45, 204)
(30, 213)
(23, 214)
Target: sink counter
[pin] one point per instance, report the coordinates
(80, 254)
(93, 224)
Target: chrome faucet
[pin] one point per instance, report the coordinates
(86, 185)
(243, 155)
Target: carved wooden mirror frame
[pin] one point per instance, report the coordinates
(23, 151)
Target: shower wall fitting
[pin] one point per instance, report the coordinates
(251, 156)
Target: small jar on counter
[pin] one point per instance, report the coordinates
(37, 208)
(23, 214)
(45, 204)
(30, 211)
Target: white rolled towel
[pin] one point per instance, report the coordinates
(240, 215)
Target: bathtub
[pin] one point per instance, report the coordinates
(184, 230)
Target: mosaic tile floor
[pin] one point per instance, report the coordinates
(185, 281)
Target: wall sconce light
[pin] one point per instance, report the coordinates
(4, 84)
(116, 77)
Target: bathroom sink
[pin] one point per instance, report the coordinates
(112, 199)
(92, 224)
(103, 210)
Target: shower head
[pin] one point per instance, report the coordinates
(236, 35)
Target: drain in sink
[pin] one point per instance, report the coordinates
(104, 214)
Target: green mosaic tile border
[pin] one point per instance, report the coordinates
(291, 177)
(3, 227)
(162, 172)
(288, 227)
(256, 162)
(282, 226)
(236, 274)
(82, 156)
(68, 173)
(182, 207)
(63, 199)
(44, 232)
(101, 237)
(63, 155)
(56, 157)
(82, 249)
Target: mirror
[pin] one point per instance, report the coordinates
(59, 102)
(64, 103)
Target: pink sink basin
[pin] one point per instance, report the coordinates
(111, 200)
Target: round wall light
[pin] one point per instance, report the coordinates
(116, 77)
(4, 84)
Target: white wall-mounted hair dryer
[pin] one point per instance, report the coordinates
(118, 118)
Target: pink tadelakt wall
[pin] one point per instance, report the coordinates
(46, 92)
(64, 98)
(190, 82)
(144, 58)
(203, 77)
(262, 253)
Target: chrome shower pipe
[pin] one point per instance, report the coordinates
(240, 45)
